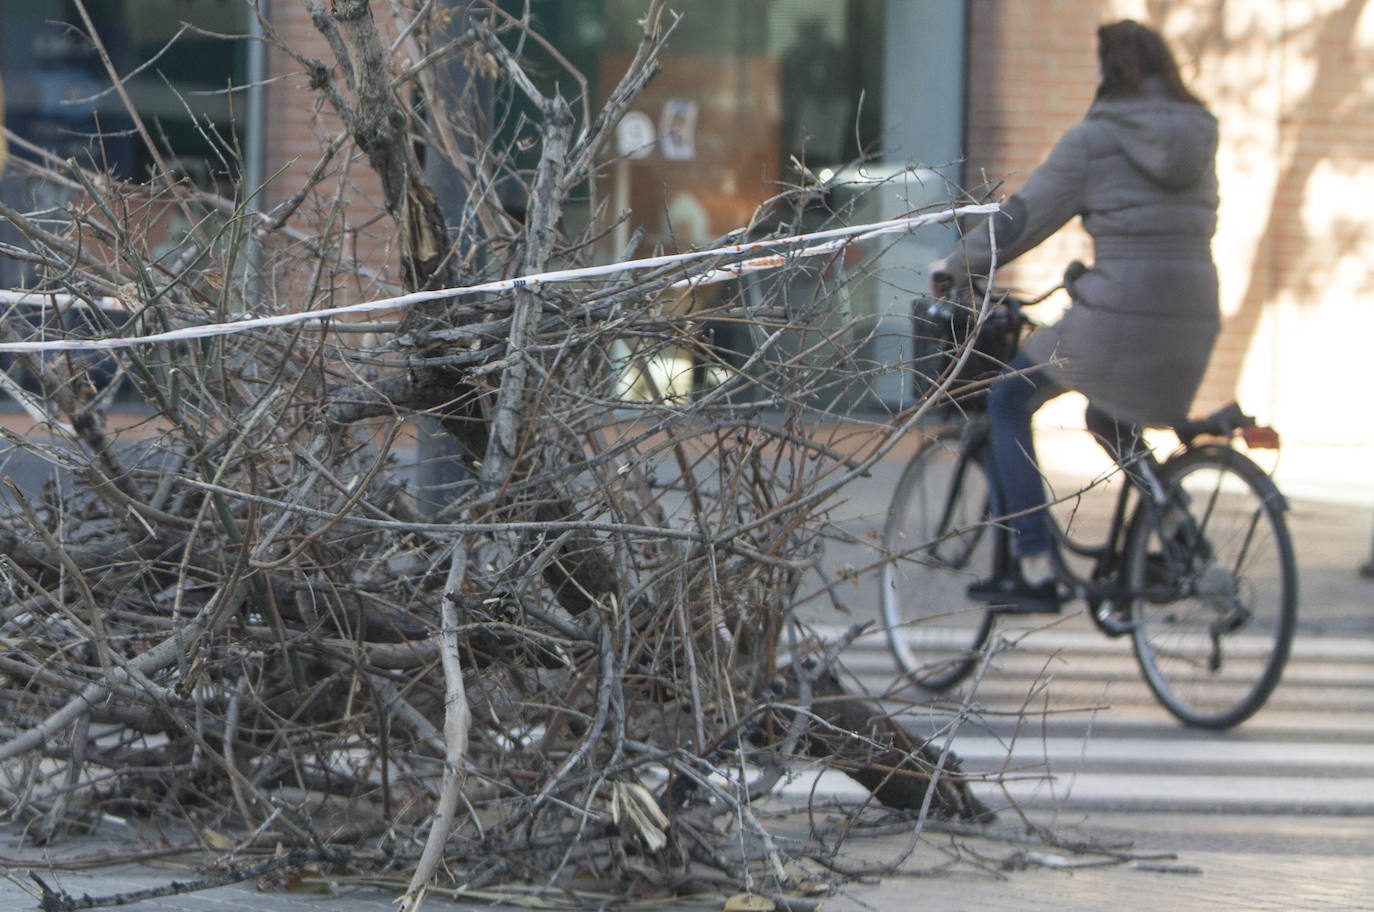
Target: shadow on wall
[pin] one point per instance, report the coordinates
(1308, 142)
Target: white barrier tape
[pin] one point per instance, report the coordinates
(837, 237)
(774, 260)
(46, 299)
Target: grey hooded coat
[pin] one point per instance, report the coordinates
(1141, 172)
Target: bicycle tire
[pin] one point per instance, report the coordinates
(934, 631)
(1214, 656)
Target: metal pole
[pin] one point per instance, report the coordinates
(1367, 568)
(255, 145)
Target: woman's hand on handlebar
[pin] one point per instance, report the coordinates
(941, 279)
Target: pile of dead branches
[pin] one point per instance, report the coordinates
(227, 599)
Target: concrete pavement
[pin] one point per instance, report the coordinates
(1178, 861)
(1107, 862)
(1182, 863)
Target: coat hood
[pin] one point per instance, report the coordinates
(1172, 142)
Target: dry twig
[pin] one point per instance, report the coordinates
(240, 612)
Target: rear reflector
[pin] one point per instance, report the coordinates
(1260, 438)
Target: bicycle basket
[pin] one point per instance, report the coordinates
(942, 328)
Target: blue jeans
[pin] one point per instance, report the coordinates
(1018, 488)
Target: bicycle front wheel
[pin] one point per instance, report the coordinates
(1214, 649)
(936, 541)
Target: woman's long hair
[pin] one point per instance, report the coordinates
(1130, 53)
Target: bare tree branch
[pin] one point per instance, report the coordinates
(235, 604)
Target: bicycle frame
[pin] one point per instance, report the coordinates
(1102, 587)
(1173, 570)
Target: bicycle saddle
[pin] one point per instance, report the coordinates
(1226, 422)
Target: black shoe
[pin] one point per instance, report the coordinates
(1013, 595)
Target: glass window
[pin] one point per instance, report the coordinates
(55, 81)
(748, 88)
(57, 94)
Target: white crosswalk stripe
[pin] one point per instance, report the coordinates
(1065, 720)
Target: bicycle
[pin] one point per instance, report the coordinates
(1210, 605)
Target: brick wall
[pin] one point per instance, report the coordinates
(1032, 72)
(347, 204)
(1296, 166)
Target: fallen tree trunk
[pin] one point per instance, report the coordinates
(855, 735)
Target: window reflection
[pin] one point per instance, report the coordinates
(748, 90)
(177, 62)
(56, 83)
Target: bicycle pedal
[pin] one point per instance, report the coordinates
(1013, 595)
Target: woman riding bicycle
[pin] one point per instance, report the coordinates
(1140, 169)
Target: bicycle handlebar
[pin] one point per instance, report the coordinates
(1010, 297)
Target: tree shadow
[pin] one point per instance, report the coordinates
(1308, 143)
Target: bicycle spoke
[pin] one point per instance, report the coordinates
(1215, 652)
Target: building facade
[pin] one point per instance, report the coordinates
(1292, 84)
(977, 91)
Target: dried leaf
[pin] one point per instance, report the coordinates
(217, 840)
(637, 814)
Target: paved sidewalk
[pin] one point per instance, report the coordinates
(1236, 862)
(1176, 862)
(1205, 864)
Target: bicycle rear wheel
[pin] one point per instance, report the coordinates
(1214, 652)
(937, 540)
